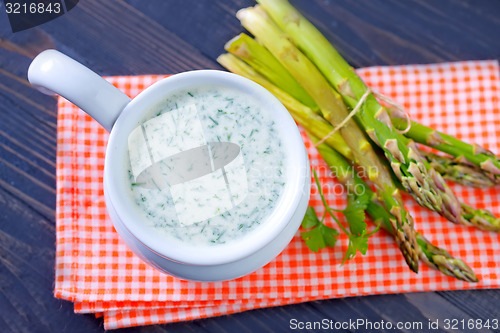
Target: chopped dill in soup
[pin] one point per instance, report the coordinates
(207, 166)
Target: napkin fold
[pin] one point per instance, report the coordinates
(96, 270)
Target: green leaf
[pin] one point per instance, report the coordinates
(310, 219)
(320, 237)
(355, 213)
(313, 239)
(329, 235)
(356, 243)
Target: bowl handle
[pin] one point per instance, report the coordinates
(54, 72)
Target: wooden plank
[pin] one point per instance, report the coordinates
(107, 44)
(206, 27)
(26, 269)
(478, 304)
(395, 32)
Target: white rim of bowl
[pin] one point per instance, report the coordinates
(178, 250)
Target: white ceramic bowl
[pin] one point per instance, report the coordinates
(53, 71)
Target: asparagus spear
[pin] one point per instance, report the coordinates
(425, 185)
(333, 109)
(456, 171)
(479, 218)
(473, 155)
(429, 254)
(441, 260)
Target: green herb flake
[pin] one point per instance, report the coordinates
(215, 121)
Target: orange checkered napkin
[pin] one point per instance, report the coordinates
(101, 275)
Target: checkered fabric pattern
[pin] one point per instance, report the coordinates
(101, 275)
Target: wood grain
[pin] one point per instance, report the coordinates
(161, 37)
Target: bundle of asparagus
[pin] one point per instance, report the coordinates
(322, 92)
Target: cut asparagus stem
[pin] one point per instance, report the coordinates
(431, 255)
(303, 115)
(425, 185)
(259, 58)
(333, 109)
(464, 153)
(453, 170)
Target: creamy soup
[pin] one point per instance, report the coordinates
(207, 166)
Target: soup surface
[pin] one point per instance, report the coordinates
(207, 165)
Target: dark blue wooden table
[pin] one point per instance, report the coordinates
(170, 36)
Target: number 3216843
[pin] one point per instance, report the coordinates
(32, 8)
(462, 324)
